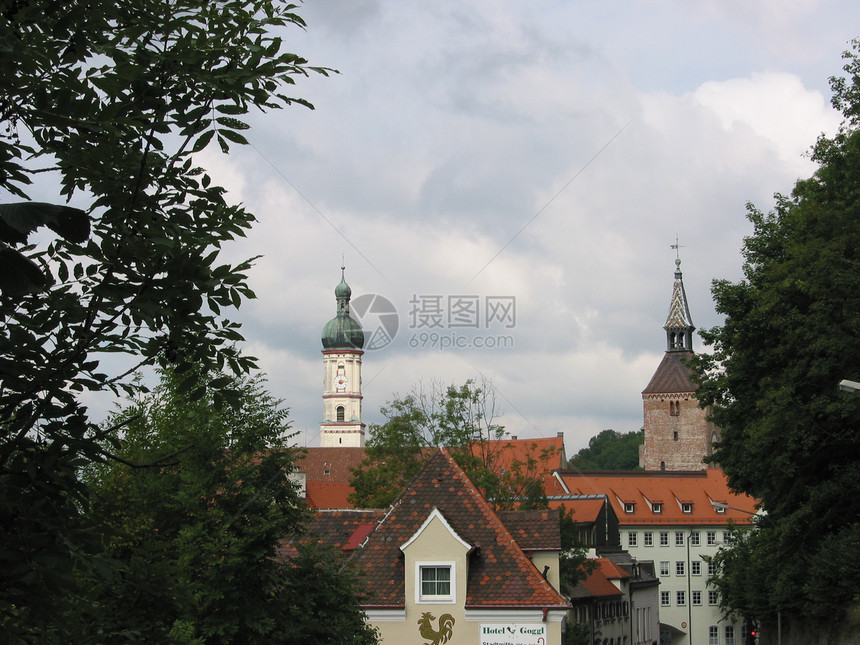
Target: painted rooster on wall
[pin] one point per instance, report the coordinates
(436, 637)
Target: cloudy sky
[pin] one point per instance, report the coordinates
(541, 154)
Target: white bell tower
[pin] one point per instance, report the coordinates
(343, 342)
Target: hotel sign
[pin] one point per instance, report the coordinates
(513, 634)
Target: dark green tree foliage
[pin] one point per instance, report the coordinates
(461, 419)
(394, 454)
(108, 101)
(197, 532)
(790, 336)
(610, 450)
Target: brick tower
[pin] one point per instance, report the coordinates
(678, 435)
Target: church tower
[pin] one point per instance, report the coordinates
(678, 435)
(342, 341)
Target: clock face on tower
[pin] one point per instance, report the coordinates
(340, 382)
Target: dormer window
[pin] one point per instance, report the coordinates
(436, 582)
(629, 507)
(719, 508)
(686, 508)
(657, 507)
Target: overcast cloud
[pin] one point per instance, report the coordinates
(545, 151)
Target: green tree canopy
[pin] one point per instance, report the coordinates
(461, 418)
(109, 101)
(610, 450)
(197, 533)
(789, 437)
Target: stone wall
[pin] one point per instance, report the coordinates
(678, 435)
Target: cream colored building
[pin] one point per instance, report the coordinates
(440, 566)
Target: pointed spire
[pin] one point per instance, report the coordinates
(679, 325)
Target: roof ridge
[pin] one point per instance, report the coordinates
(485, 507)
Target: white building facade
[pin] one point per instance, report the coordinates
(675, 520)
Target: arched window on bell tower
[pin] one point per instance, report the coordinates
(340, 414)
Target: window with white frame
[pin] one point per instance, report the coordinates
(664, 538)
(712, 597)
(679, 567)
(657, 508)
(726, 537)
(686, 508)
(696, 598)
(696, 568)
(679, 538)
(648, 538)
(664, 568)
(681, 598)
(694, 538)
(629, 507)
(730, 635)
(711, 538)
(632, 538)
(713, 635)
(712, 569)
(436, 582)
(665, 598)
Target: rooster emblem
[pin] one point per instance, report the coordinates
(436, 637)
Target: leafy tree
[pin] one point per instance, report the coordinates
(109, 101)
(789, 337)
(461, 419)
(394, 454)
(198, 533)
(610, 450)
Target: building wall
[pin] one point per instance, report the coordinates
(436, 544)
(645, 614)
(690, 622)
(549, 559)
(350, 431)
(678, 434)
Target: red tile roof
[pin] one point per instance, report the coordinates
(670, 489)
(342, 529)
(534, 530)
(327, 474)
(328, 470)
(329, 464)
(500, 574)
(548, 453)
(323, 494)
(598, 583)
(584, 510)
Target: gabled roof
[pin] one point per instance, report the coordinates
(671, 490)
(500, 574)
(672, 376)
(328, 470)
(598, 584)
